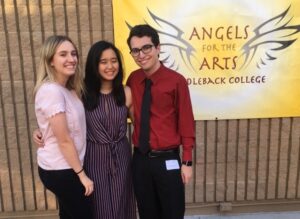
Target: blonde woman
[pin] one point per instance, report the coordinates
(61, 120)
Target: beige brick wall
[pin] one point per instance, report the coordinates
(238, 161)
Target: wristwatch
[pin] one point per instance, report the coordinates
(187, 163)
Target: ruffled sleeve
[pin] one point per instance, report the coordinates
(50, 100)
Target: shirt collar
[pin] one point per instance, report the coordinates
(155, 76)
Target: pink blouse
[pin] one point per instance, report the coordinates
(51, 99)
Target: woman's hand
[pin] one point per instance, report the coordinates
(87, 183)
(38, 138)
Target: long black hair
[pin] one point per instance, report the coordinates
(92, 80)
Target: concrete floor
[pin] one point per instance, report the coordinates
(272, 215)
(275, 215)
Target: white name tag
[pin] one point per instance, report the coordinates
(172, 164)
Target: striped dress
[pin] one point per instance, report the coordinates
(108, 160)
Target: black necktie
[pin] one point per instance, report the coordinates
(144, 145)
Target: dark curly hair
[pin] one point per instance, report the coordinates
(144, 30)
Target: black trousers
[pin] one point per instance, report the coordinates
(65, 184)
(159, 192)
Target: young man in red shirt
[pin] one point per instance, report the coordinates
(160, 128)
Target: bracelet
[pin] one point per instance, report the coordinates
(79, 171)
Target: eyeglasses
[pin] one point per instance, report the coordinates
(145, 49)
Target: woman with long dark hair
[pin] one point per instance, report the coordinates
(108, 156)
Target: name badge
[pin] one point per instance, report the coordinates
(172, 165)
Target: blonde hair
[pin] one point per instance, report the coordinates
(47, 74)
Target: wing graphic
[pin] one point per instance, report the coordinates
(172, 45)
(270, 37)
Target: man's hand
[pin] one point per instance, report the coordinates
(38, 138)
(186, 173)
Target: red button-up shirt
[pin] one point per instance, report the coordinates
(171, 115)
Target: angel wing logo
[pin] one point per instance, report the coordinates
(172, 45)
(270, 37)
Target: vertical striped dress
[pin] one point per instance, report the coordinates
(108, 160)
